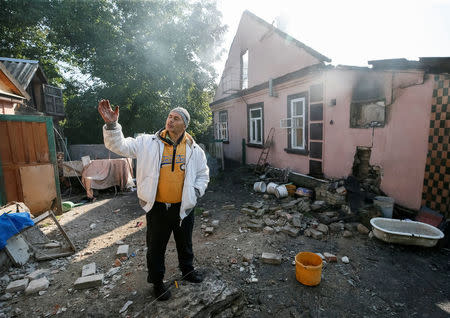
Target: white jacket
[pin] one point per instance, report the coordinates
(148, 150)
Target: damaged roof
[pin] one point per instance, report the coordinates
(23, 70)
(429, 64)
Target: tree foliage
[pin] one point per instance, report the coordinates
(146, 56)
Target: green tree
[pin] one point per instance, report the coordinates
(146, 56)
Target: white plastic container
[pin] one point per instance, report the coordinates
(271, 187)
(259, 187)
(405, 232)
(386, 204)
(281, 192)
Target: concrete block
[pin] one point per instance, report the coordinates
(248, 211)
(89, 281)
(336, 227)
(88, 269)
(345, 260)
(268, 230)
(37, 285)
(330, 258)
(362, 229)
(17, 285)
(38, 274)
(316, 234)
(228, 207)
(347, 234)
(215, 223)
(122, 250)
(322, 228)
(291, 231)
(255, 206)
(254, 226)
(271, 258)
(209, 230)
(17, 249)
(247, 258)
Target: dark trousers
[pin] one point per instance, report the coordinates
(161, 222)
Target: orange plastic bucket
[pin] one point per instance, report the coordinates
(308, 268)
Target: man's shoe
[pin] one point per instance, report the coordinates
(193, 277)
(161, 292)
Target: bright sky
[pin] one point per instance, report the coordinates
(352, 32)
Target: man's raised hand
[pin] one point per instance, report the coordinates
(105, 110)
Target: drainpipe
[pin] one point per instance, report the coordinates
(244, 159)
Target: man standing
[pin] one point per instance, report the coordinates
(171, 174)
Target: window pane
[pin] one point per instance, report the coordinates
(297, 108)
(255, 113)
(258, 130)
(252, 132)
(223, 116)
(298, 122)
(299, 137)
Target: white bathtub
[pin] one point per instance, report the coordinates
(405, 232)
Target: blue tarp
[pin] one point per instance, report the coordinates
(13, 223)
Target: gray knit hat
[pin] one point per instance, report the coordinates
(184, 114)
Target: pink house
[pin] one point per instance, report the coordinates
(320, 115)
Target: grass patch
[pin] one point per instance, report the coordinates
(198, 211)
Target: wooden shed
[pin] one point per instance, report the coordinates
(29, 171)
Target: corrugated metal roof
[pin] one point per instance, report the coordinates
(22, 70)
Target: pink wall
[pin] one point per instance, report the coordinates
(400, 147)
(263, 46)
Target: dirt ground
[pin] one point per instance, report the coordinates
(381, 280)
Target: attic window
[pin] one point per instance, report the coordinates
(244, 70)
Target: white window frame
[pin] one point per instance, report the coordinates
(295, 125)
(254, 121)
(222, 126)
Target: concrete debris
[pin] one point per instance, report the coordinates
(37, 285)
(206, 214)
(362, 229)
(122, 250)
(125, 307)
(88, 269)
(209, 230)
(112, 271)
(212, 298)
(248, 211)
(269, 222)
(268, 230)
(297, 220)
(248, 257)
(331, 258)
(336, 227)
(316, 234)
(228, 207)
(345, 260)
(215, 223)
(89, 281)
(17, 285)
(255, 206)
(6, 296)
(347, 234)
(291, 231)
(271, 258)
(38, 274)
(322, 228)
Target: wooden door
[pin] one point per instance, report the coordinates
(28, 159)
